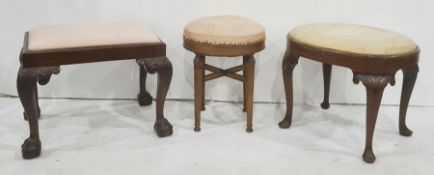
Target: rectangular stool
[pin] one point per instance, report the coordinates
(45, 49)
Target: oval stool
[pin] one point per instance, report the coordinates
(374, 55)
(224, 36)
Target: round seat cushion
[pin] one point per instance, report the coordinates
(355, 39)
(224, 36)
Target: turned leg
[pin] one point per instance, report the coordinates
(327, 71)
(203, 86)
(244, 85)
(27, 92)
(289, 62)
(163, 67)
(249, 78)
(143, 98)
(410, 76)
(374, 92)
(199, 66)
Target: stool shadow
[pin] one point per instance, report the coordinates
(305, 120)
(220, 110)
(121, 114)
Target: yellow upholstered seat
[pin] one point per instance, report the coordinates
(93, 35)
(354, 39)
(224, 36)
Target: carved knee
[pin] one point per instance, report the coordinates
(153, 65)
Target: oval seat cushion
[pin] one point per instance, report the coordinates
(354, 39)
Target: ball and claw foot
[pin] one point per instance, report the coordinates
(325, 105)
(144, 99)
(196, 129)
(25, 115)
(31, 148)
(285, 123)
(249, 130)
(368, 156)
(163, 128)
(405, 132)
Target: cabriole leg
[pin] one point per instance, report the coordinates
(289, 62)
(374, 85)
(27, 92)
(37, 104)
(143, 98)
(163, 67)
(410, 76)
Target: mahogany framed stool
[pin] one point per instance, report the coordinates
(47, 48)
(374, 56)
(224, 36)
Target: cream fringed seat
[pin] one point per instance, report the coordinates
(225, 36)
(353, 39)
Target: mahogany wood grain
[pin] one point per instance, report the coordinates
(38, 66)
(374, 71)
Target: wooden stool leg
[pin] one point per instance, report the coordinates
(249, 79)
(244, 85)
(199, 67)
(327, 71)
(26, 83)
(410, 76)
(143, 98)
(374, 90)
(203, 86)
(27, 91)
(289, 62)
(35, 91)
(163, 68)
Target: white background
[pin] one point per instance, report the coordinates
(166, 18)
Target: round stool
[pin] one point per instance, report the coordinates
(374, 55)
(224, 36)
